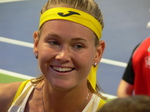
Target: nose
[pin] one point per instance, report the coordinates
(63, 55)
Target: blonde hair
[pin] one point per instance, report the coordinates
(88, 6)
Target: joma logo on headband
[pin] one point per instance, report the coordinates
(70, 13)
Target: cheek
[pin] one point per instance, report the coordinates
(85, 61)
(44, 56)
(42, 63)
(88, 57)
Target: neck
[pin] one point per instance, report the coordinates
(63, 99)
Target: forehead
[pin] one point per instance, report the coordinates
(66, 28)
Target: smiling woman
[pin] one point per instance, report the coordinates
(68, 49)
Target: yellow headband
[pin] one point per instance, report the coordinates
(80, 17)
(73, 15)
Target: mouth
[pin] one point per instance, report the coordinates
(62, 69)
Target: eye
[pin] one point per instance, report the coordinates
(53, 42)
(78, 46)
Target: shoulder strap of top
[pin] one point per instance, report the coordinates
(20, 89)
(101, 103)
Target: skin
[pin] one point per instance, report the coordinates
(63, 45)
(7, 93)
(60, 49)
(125, 89)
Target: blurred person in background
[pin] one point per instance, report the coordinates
(136, 78)
(138, 103)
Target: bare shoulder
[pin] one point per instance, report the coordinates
(7, 93)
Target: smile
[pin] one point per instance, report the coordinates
(62, 69)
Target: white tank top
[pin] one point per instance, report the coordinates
(20, 103)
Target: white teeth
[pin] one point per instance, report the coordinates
(62, 69)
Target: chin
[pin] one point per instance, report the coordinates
(63, 86)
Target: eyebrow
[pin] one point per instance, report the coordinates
(52, 34)
(75, 38)
(78, 38)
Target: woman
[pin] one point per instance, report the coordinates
(68, 50)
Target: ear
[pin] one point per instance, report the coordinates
(99, 52)
(36, 40)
